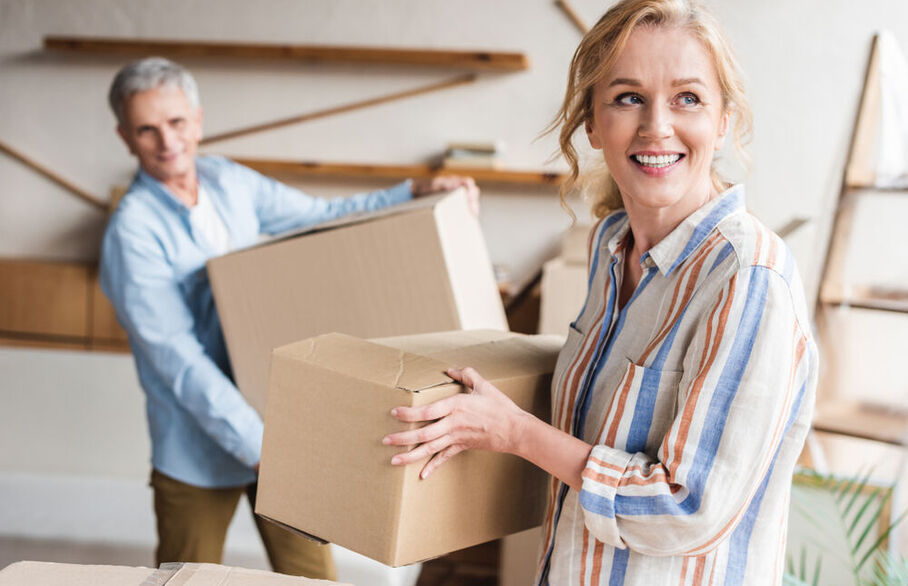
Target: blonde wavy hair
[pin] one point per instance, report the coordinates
(597, 54)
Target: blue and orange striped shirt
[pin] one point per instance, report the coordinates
(697, 397)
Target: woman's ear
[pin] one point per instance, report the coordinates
(723, 129)
(591, 135)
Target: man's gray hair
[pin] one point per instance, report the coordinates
(147, 74)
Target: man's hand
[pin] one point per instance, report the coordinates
(448, 183)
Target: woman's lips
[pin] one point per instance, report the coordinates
(659, 171)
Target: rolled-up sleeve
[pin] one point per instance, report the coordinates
(140, 283)
(746, 373)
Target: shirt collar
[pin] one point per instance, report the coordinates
(674, 249)
(162, 192)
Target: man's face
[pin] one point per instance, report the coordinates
(163, 130)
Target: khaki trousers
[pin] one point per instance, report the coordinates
(192, 526)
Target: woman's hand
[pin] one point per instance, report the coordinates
(483, 419)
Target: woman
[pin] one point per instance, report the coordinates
(684, 390)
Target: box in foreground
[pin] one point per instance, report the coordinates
(417, 267)
(326, 473)
(53, 574)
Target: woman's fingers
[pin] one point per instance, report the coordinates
(466, 376)
(429, 412)
(459, 422)
(439, 459)
(418, 436)
(422, 451)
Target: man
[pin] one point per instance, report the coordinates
(180, 210)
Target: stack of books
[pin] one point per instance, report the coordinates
(464, 155)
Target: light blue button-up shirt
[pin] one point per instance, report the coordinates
(153, 270)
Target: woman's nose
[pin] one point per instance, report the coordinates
(656, 122)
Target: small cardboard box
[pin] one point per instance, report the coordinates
(575, 244)
(53, 574)
(563, 292)
(324, 469)
(413, 268)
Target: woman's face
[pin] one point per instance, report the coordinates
(658, 118)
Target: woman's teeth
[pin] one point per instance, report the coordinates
(657, 161)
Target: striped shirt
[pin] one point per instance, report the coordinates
(697, 397)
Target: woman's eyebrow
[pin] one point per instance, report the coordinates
(624, 81)
(688, 81)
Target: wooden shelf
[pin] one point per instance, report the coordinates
(471, 60)
(862, 421)
(316, 169)
(868, 187)
(874, 298)
(16, 340)
(51, 304)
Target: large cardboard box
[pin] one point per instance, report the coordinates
(418, 267)
(53, 574)
(325, 472)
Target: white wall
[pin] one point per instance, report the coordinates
(68, 414)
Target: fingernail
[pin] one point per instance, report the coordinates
(395, 460)
(394, 412)
(386, 440)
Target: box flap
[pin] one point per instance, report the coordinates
(439, 341)
(357, 218)
(369, 361)
(203, 574)
(517, 355)
(54, 574)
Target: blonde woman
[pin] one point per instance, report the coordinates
(684, 391)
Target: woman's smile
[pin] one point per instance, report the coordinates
(657, 164)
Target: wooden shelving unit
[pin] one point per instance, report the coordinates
(355, 170)
(48, 304)
(472, 60)
(856, 419)
(863, 297)
(849, 417)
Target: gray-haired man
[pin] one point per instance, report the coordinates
(181, 209)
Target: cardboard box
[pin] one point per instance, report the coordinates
(564, 287)
(53, 574)
(326, 473)
(414, 268)
(575, 244)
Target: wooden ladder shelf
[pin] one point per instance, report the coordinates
(857, 418)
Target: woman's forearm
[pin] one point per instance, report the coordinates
(558, 453)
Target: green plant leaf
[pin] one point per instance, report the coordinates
(871, 524)
(869, 501)
(877, 546)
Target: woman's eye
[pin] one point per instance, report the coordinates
(688, 99)
(628, 99)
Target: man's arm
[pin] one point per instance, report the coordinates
(139, 281)
(280, 207)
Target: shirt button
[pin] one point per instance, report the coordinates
(649, 262)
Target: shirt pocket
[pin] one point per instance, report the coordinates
(642, 408)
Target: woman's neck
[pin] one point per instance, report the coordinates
(650, 225)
